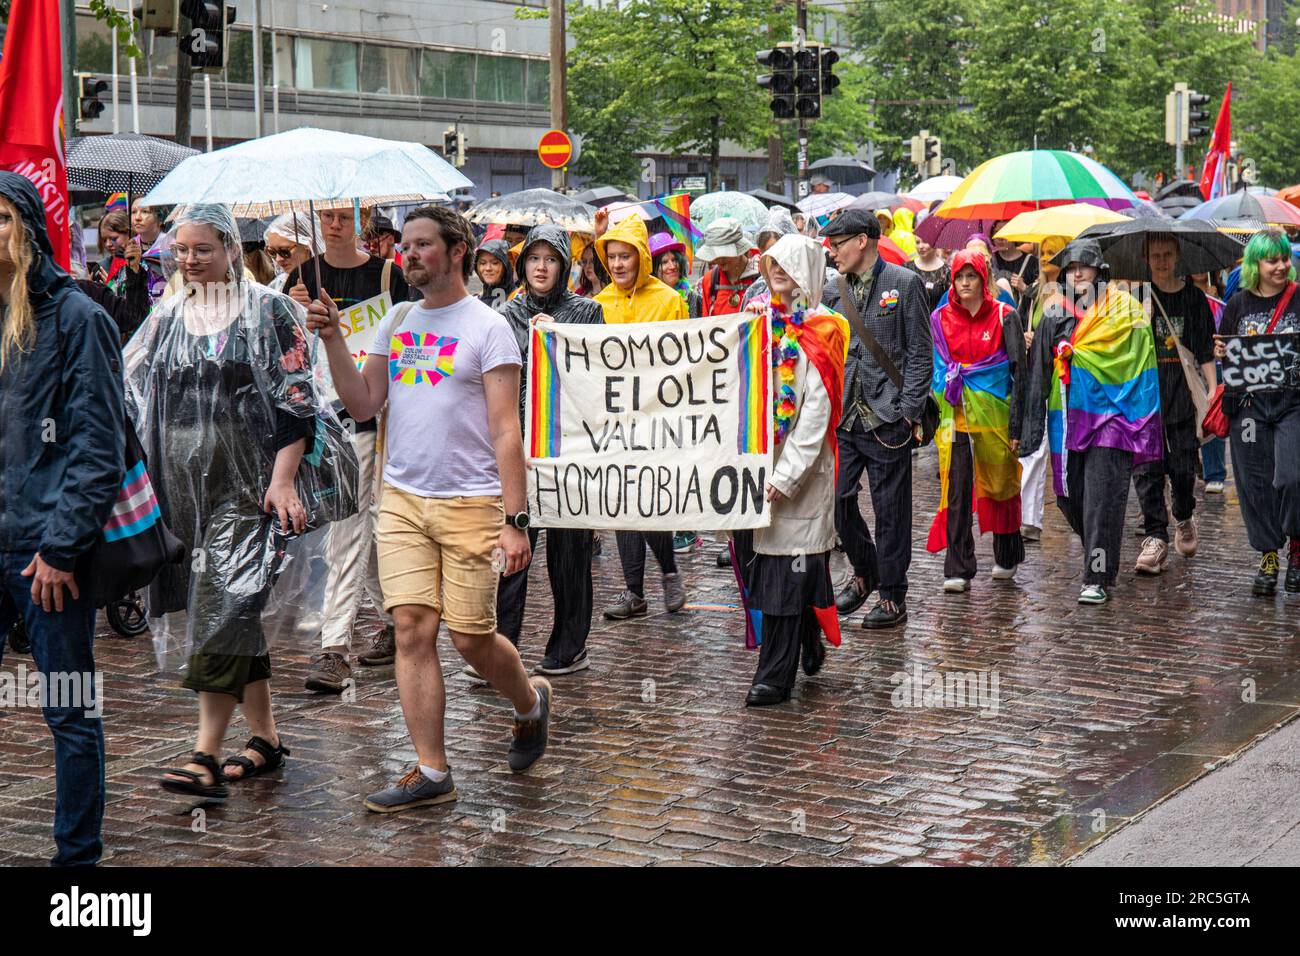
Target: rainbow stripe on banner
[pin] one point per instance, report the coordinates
(544, 428)
(755, 388)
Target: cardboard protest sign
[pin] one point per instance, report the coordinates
(1260, 362)
(652, 426)
(358, 324)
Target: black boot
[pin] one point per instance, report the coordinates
(851, 598)
(764, 695)
(885, 614)
(1266, 577)
(1292, 584)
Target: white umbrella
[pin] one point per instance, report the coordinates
(936, 187)
(261, 177)
(823, 204)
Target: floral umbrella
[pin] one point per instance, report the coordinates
(1013, 183)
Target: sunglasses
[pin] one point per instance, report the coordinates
(280, 253)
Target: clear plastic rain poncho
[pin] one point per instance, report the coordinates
(217, 379)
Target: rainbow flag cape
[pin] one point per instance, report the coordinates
(1105, 389)
(676, 212)
(975, 399)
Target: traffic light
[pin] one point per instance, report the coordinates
(829, 79)
(89, 105)
(462, 149)
(933, 156)
(780, 83)
(1173, 109)
(808, 83)
(1193, 115)
(917, 151)
(450, 143)
(206, 42)
(160, 16)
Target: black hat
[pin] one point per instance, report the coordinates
(851, 222)
(380, 223)
(1084, 251)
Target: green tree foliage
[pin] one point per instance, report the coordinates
(1263, 119)
(673, 75)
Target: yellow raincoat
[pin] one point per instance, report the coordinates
(649, 300)
(902, 232)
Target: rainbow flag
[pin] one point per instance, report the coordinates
(1105, 388)
(975, 399)
(755, 388)
(115, 201)
(676, 211)
(544, 426)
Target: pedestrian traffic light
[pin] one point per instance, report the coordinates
(780, 82)
(1192, 99)
(89, 105)
(933, 156)
(206, 41)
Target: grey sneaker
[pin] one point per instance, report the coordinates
(531, 735)
(329, 675)
(413, 790)
(383, 652)
(629, 605)
(674, 592)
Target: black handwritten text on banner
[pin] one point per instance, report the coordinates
(652, 426)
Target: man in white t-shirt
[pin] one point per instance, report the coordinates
(453, 492)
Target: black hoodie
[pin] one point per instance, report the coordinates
(494, 296)
(560, 304)
(61, 410)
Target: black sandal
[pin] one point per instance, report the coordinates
(273, 758)
(195, 787)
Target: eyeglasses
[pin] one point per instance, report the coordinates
(281, 253)
(201, 254)
(836, 245)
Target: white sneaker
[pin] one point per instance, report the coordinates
(1214, 487)
(1003, 574)
(956, 585)
(1154, 557)
(1093, 594)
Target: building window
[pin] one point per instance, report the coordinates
(447, 76)
(324, 65)
(388, 69)
(239, 57)
(94, 47)
(500, 79)
(539, 82)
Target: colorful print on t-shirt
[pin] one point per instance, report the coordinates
(416, 357)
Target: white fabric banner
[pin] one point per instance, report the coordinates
(652, 426)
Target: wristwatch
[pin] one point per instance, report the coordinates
(519, 521)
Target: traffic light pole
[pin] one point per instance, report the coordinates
(68, 38)
(559, 105)
(802, 190)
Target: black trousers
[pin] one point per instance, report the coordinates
(959, 560)
(889, 477)
(1097, 483)
(1179, 464)
(785, 636)
(773, 586)
(631, 552)
(1265, 438)
(568, 566)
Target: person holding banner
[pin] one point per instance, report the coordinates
(635, 295)
(1094, 396)
(1264, 423)
(978, 382)
(453, 514)
(353, 279)
(1180, 323)
(785, 567)
(545, 260)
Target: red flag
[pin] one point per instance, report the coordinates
(31, 112)
(1215, 167)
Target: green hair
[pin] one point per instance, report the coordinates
(1267, 244)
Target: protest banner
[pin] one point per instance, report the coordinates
(653, 426)
(358, 324)
(1258, 362)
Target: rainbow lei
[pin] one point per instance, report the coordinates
(785, 355)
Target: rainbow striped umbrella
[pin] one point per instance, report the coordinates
(1008, 185)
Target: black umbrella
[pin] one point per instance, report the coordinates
(122, 162)
(844, 170)
(1201, 247)
(769, 198)
(601, 196)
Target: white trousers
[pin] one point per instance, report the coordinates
(353, 561)
(1033, 481)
